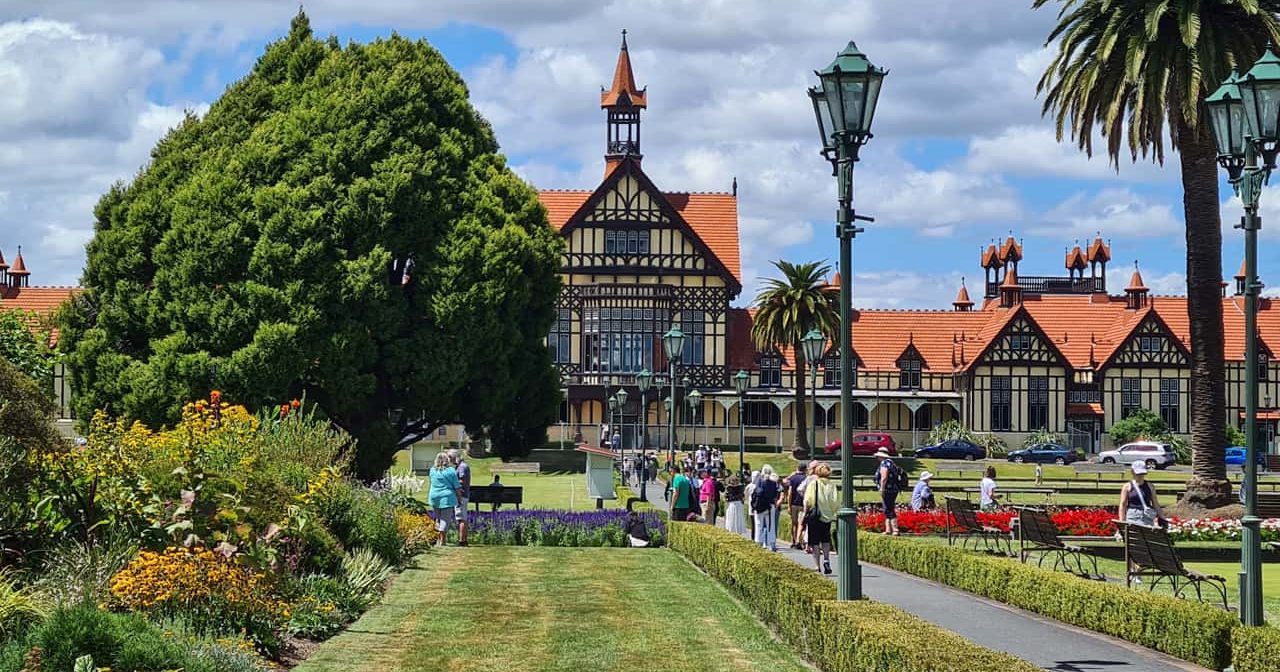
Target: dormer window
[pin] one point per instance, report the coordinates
(831, 369)
(909, 373)
(626, 242)
(770, 370)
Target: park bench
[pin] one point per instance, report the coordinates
(1149, 552)
(516, 468)
(1038, 534)
(1268, 504)
(1046, 492)
(496, 495)
(963, 523)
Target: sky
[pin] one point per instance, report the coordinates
(961, 155)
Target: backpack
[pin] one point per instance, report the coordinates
(897, 478)
(826, 500)
(759, 501)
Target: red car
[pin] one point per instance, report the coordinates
(866, 443)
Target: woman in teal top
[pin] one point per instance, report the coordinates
(444, 493)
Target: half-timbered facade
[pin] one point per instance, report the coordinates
(637, 261)
(39, 304)
(1038, 352)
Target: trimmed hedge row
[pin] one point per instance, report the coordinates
(1255, 649)
(862, 636)
(1188, 630)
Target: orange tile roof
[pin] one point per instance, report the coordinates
(43, 301)
(1099, 251)
(1135, 282)
(991, 258)
(1011, 251)
(1087, 330)
(962, 297)
(1076, 260)
(713, 216)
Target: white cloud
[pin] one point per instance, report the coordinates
(1114, 212)
(905, 289)
(937, 201)
(1033, 150)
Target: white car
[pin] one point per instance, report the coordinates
(1156, 455)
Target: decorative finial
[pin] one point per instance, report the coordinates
(624, 39)
(735, 185)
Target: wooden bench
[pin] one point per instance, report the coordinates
(963, 523)
(1038, 534)
(1268, 504)
(1149, 552)
(1047, 492)
(496, 495)
(516, 468)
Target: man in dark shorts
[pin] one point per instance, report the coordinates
(795, 498)
(886, 481)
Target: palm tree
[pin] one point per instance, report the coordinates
(786, 309)
(1128, 67)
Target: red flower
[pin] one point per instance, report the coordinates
(215, 397)
(284, 410)
(295, 404)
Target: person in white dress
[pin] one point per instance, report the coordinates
(735, 495)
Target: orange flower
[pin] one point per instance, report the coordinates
(215, 397)
(295, 404)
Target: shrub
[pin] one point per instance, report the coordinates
(1188, 630)
(1042, 436)
(375, 527)
(209, 593)
(75, 573)
(365, 572)
(1254, 649)
(953, 429)
(19, 605)
(418, 530)
(837, 636)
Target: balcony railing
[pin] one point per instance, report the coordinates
(1044, 284)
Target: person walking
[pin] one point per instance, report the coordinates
(764, 504)
(734, 494)
(682, 497)
(464, 495)
(444, 494)
(889, 479)
(820, 504)
(1039, 475)
(1138, 503)
(709, 496)
(749, 495)
(793, 485)
(922, 495)
(988, 498)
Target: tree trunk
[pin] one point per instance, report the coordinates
(802, 433)
(1208, 486)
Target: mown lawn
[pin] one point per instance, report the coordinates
(543, 609)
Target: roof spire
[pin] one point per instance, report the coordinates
(623, 92)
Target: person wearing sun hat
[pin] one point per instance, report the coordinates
(888, 483)
(922, 494)
(1138, 502)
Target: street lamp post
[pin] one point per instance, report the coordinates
(672, 347)
(740, 381)
(844, 103)
(1244, 113)
(621, 396)
(695, 405)
(643, 380)
(667, 403)
(812, 343)
(613, 407)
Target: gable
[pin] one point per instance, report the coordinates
(910, 354)
(1150, 344)
(1021, 342)
(628, 226)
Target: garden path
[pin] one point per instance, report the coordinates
(1042, 641)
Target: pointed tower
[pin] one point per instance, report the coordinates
(18, 273)
(1240, 280)
(1076, 263)
(1099, 255)
(4, 267)
(1010, 290)
(962, 303)
(1136, 292)
(622, 103)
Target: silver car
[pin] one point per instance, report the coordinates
(1156, 455)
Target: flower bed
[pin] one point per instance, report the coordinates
(1070, 522)
(1218, 529)
(1088, 522)
(541, 527)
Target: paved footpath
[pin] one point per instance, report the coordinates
(1042, 641)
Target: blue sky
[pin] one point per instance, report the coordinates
(961, 154)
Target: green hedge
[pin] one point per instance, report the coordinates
(1192, 631)
(862, 636)
(1256, 649)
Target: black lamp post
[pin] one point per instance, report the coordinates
(613, 407)
(1244, 114)
(740, 381)
(812, 344)
(643, 380)
(621, 396)
(672, 347)
(844, 103)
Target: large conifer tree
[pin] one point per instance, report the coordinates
(340, 225)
